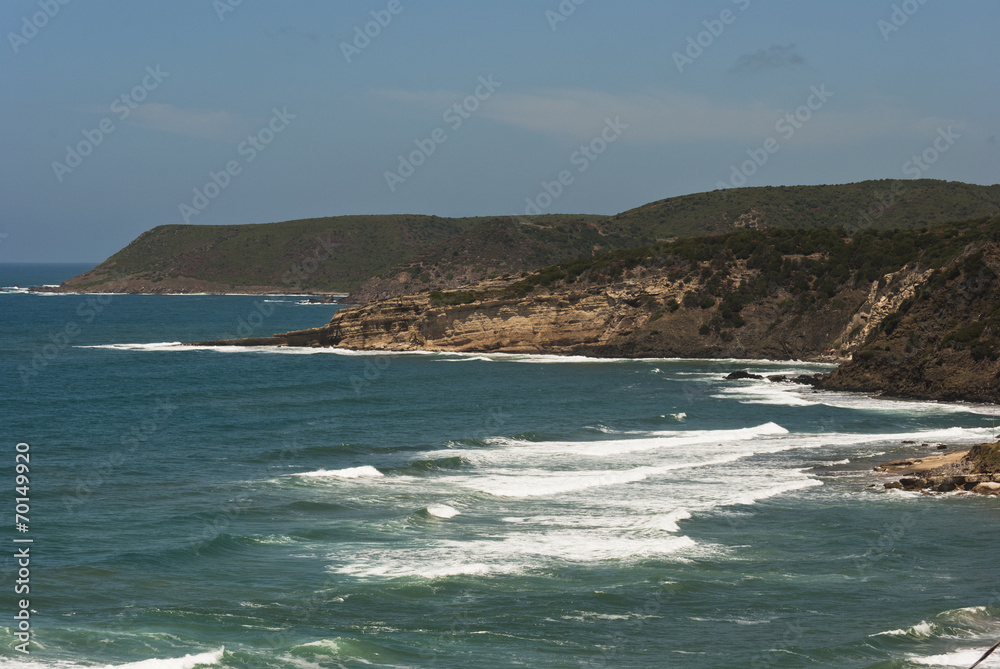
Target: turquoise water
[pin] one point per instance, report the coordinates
(302, 509)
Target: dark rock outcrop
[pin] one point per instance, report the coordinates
(743, 374)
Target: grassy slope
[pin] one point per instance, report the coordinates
(810, 266)
(276, 254)
(494, 247)
(431, 249)
(884, 205)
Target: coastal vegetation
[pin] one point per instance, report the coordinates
(808, 267)
(374, 257)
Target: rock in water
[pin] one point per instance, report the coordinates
(740, 375)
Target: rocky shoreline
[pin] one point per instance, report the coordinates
(976, 470)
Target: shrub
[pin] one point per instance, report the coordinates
(439, 298)
(965, 335)
(984, 350)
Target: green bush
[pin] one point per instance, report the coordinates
(439, 299)
(965, 335)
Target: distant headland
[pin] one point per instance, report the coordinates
(897, 281)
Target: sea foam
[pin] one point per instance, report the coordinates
(958, 658)
(366, 471)
(187, 662)
(442, 511)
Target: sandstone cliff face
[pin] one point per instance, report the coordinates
(624, 319)
(560, 323)
(911, 333)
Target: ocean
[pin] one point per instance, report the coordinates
(297, 508)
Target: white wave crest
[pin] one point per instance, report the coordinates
(155, 346)
(922, 630)
(780, 489)
(516, 553)
(686, 447)
(187, 662)
(366, 471)
(442, 511)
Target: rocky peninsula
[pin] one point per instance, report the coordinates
(907, 314)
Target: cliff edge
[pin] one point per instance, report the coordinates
(907, 313)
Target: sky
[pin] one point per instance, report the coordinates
(120, 115)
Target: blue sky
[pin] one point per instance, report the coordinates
(225, 112)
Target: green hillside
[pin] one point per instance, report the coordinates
(495, 247)
(883, 205)
(328, 254)
(379, 256)
(810, 267)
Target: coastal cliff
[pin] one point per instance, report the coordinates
(910, 314)
(942, 341)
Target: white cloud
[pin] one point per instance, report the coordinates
(776, 55)
(205, 124)
(672, 117)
